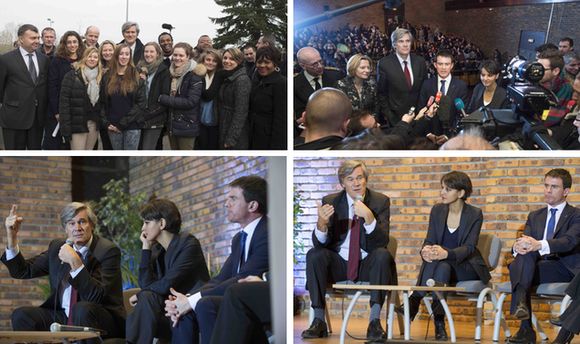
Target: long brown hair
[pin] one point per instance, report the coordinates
(61, 50)
(126, 83)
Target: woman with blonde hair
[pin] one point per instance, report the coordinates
(233, 102)
(121, 90)
(209, 130)
(79, 101)
(358, 86)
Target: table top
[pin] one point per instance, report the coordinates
(43, 336)
(394, 287)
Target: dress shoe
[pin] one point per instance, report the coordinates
(564, 337)
(414, 303)
(522, 312)
(556, 321)
(317, 329)
(525, 335)
(440, 332)
(375, 330)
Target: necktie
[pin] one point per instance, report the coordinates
(317, 83)
(243, 236)
(74, 295)
(551, 224)
(442, 87)
(407, 75)
(31, 68)
(353, 249)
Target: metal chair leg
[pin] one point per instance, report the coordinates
(479, 311)
(347, 316)
(498, 316)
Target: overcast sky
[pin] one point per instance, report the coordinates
(189, 17)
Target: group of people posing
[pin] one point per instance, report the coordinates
(131, 94)
(416, 111)
(177, 300)
(352, 232)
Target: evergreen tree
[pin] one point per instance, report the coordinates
(245, 21)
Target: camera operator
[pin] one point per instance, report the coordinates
(567, 132)
(553, 64)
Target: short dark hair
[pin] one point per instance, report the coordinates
(249, 46)
(562, 174)
(185, 46)
(458, 180)
(23, 28)
(269, 52)
(555, 58)
(160, 208)
(354, 126)
(48, 28)
(546, 47)
(569, 40)
(163, 34)
(444, 53)
(490, 66)
(254, 188)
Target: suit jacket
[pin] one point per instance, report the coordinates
(182, 267)
(19, 96)
(565, 245)
(498, 101)
(395, 98)
(469, 229)
(256, 263)
(447, 113)
(99, 282)
(303, 89)
(338, 226)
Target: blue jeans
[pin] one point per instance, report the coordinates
(125, 140)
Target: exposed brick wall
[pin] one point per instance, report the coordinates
(506, 189)
(40, 186)
(197, 185)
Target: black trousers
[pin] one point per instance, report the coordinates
(324, 266)
(571, 317)
(244, 311)
(529, 270)
(187, 329)
(15, 139)
(148, 320)
(84, 314)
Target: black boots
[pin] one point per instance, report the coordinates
(317, 329)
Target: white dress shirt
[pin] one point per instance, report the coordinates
(401, 60)
(24, 54)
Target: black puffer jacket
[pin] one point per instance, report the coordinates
(75, 107)
(184, 108)
(151, 112)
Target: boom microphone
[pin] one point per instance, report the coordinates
(460, 106)
(56, 327)
(433, 283)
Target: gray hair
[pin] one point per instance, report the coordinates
(72, 209)
(571, 55)
(398, 34)
(350, 165)
(128, 24)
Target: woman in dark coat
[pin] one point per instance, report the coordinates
(358, 86)
(69, 50)
(233, 102)
(450, 250)
(268, 110)
(488, 93)
(79, 102)
(152, 114)
(169, 260)
(184, 98)
(209, 129)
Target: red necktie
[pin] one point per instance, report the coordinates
(407, 75)
(353, 250)
(73, 301)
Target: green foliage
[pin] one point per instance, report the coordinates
(119, 221)
(298, 244)
(44, 286)
(245, 21)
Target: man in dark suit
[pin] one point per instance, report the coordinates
(451, 88)
(23, 92)
(549, 250)
(130, 32)
(350, 242)
(312, 78)
(84, 272)
(246, 204)
(399, 78)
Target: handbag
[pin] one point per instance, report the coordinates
(208, 116)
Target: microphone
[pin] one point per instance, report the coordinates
(56, 327)
(438, 97)
(70, 243)
(433, 283)
(411, 111)
(460, 106)
(430, 101)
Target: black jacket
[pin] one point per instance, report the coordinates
(268, 112)
(150, 113)
(75, 106)
(131, 120)
(498, 101)
(59, 67)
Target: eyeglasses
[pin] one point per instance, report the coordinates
(314, 64)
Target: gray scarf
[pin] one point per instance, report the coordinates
(177, 74)
(90, 77)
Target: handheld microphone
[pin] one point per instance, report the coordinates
(438, 97)
(411, 111)
(433, 283)
(430, 101)
(56, 327)
(460, 106)
(70, 243)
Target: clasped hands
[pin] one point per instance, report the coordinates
(526, 244)
(325, 211)
(429, 253)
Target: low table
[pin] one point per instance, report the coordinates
(360, 288)
(44, 336)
